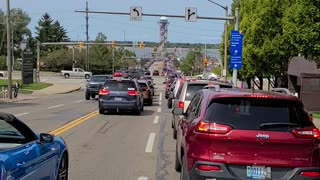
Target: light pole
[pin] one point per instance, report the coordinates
(224, 71)
(9, 60)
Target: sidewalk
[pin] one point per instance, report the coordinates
(54, 89)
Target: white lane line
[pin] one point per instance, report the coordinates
(150, 142)
(156, 120)
(78, 101)
(142, 178)
(160, 103)
(159, 110)
(22, 114)
(55, 106)
(160, 97)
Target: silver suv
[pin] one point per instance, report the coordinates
(189, 89)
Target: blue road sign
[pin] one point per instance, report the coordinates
(236, 50)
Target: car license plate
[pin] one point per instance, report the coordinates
(118, 99)
(259, 172)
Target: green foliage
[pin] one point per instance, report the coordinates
(302, 28)
(19, 30)
(191, 63)
(50, 31)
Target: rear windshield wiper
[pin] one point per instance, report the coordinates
(277, 125)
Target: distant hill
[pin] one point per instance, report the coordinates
(177, 45)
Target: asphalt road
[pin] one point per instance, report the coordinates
(106, 147)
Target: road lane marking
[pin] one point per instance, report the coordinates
(74, 123)
(78, 101)
(51, 107)
(22, 114)
(142, 178)
(159, 110)
(160, 103)
(150, 142)
(156, 120)
(160, 97)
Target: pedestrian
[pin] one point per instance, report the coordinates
(16, 89)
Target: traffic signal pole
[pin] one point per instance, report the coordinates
(9, 60)
(236, 27)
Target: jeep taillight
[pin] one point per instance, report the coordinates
(310, 133)
(133, 93)
(104, 92)
(213, 128)
(181, 104)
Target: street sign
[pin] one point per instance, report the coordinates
(236, 50)
(191, 14)
(135, 13)
(27, 67)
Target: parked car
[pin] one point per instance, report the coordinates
(245, 134)
(3, 73)
(94, 84)
(27, 155)
(208, 76)
(117, 95)
(76, 72)
(155, 73)
(146, 92)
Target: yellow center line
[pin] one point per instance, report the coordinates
(73, 123)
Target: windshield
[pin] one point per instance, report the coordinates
(192, 89)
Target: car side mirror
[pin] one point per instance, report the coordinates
(177, 111)
(46, 138)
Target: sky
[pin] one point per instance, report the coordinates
(119, 28)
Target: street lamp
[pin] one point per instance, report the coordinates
(224, 71)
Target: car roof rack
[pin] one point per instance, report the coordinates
(215, 87)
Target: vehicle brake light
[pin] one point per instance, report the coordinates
(258, 96)
(213, 128)
(310, 174)
(133, 93)
(104, 92)
(208, 168)
(307, 133)
(181, 104)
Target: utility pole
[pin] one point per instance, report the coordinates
(12, 48)
(38, 61)
(236, 27)
(73, 62)
(87, 36)
(112, 60)
(225, 46)
(9, 60)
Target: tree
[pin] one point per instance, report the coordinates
(302, 28)
(49, 31)
(19, 30)
(191, 62)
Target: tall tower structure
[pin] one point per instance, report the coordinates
(164, 23)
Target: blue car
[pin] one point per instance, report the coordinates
(30, 156)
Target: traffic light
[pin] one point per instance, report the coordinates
(205, 62)
(155, 49)
(113, 44)
(80, 45)
(142, 45)
(175, 49)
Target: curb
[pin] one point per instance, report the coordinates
(73, 90)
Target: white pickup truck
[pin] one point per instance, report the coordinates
(76, 72)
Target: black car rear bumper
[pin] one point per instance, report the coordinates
(107, 105)
(227, 173)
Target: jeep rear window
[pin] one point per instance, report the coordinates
(192, 89)
(250, 113)
(119, 86)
